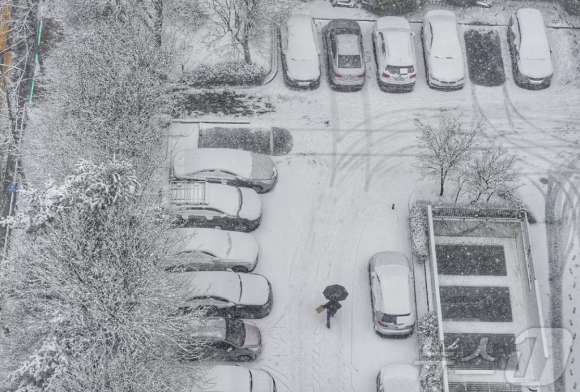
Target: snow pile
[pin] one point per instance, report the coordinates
(419, 227)
(431, 369)
(225, 74)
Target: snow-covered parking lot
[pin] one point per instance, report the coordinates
(344, 193)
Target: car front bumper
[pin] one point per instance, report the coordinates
(446, 85)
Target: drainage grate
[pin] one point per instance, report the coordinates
(472, 303)
(483, 387)
(479, 351)
(471, 260)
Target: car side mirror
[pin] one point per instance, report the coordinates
(412, 34)
(230, 349)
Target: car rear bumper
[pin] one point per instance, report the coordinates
(341, 82)
(393, 332)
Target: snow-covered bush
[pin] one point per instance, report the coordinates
(47, 363)
(430, 354)
(225, 74)
(419, 229)
(91, 187)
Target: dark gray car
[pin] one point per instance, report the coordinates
(345, 53)
(224, 339)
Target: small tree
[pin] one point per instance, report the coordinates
(492, 172)
(447, 145)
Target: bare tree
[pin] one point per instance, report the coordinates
(492, 172)
(235, 24)
(447, 146)
(87, 289)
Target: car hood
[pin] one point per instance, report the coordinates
(303, 70)
(255, 289)
(536, 68)
(262, 381)
(244, 247)
(447, 69)
(251, 204)
(253, 335)
(262, 167)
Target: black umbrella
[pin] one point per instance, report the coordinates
(335, 293)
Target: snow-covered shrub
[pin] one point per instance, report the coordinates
(42, 367)
(430, 353)
(91, 187)
(225, 74)
(419, 228)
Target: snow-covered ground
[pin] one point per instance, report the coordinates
(344, 194)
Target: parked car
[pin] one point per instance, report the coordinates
(234, 378)
(530, 49)
(444, 63)
(227, 166)
(392, 294)
(216, 250)
(216, 205)
(299, 42)
(343, 3)
(224, 339)
(344, 53)
(394, 53)
(398, 377)
(228, 294)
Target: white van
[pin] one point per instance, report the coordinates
(299, 41)
(530, 50)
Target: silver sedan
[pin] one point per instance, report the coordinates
(345, 54)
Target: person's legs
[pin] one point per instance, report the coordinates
(328, 319)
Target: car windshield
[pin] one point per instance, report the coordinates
(349, 61)
(235, 332)
(395, 69)
(240, 200)
(229, 244)
(391, 318)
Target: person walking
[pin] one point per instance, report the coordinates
(331, 309)
(333, 294)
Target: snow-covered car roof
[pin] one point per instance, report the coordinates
(222, 284)
(394, 281)
(534, 45)
(400, 377)
(348, 44)
(400, 44)
(301, 46)
(224, 198)
(212, 327)
(189, 162)
(445, 38)
(216, 242)
(226, 378)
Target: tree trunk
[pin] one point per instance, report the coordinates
(442, 182)
(246, 47)
(158, 22)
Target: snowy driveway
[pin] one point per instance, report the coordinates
(344, 193)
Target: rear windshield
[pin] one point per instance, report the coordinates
(235, 331)
(349, 61)
(392, 318)
(395, 69)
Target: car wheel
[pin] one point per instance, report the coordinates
(244, 358)
(239, 268)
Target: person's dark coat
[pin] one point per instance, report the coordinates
(332, 307)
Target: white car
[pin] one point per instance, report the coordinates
(216, 205)
(216, 250)
(227, 166)
(228, 294)
(299, 42)
(394, 53)
(398, 377)
(392, 294)
(234, 378)
(530, 49)
(444, 62)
